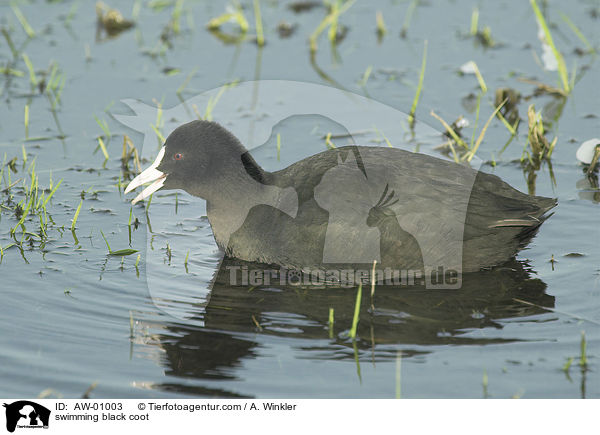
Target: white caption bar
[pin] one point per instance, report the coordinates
(151, 416)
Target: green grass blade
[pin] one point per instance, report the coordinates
(106, 241)
(562, 68)
(76, 216)
(103, 148)
(355, 319)
(9, 42)
(158, 133)
(278, 146)
(32, 76)
(331, 322)
(52, 192)
(260, 37)
(582, 355)
(24, 215)
(413, 109)
(590, 48)
(123, 252)
(474, 21)
(381, 29)
(104, 126)
(366, 75)
(28, 29)
(187, 80)
(469, 156)
(482, 84)
(450, 130)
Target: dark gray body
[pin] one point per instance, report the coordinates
(438, 208)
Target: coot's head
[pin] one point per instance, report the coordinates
(195, 158)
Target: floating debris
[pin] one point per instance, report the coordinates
(303, 6)
(111, 20)
(285, 29)
(588, 151)
(510, 110)
(232, 15)
(589, 154)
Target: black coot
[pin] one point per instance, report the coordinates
(349, 205)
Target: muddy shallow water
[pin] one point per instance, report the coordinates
(72, 315)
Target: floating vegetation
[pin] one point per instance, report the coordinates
(32, 76)
(331, 322)
(231, 15)
(110, 21)
(103, 148)
(278, 146)
(568, 364)
(398, 374)
(26, 121)
(27, 201)
(130, 152)
(186, 82)
(10, 43)
(560, 61)
(537, 150)
(408, 17)
(104, 126)
(467, 152)
(53, 86)
(285, 29)
(483, 36)
(539, 147)
(365, 77)
(381, 29)
(373, 279)
(212, 102)
(583, 362)
(120, 252)
(23, 21)
(33, 202)
(484, 384)
(471, 68)
(413, 109)
(355, 319)
(331, 20)
(176, 17)
(303, 6)
(589, 47)
(588, 153)
(76, 216)
(328, 143)
(11, 72)
(171, 29)
(256, 323)
(260, 37)
(509, 114)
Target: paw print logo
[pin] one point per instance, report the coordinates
(294, 277)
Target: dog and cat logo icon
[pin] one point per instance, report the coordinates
(25, 414)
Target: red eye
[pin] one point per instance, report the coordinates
(178, 156)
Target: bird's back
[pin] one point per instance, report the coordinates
(460, 218)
